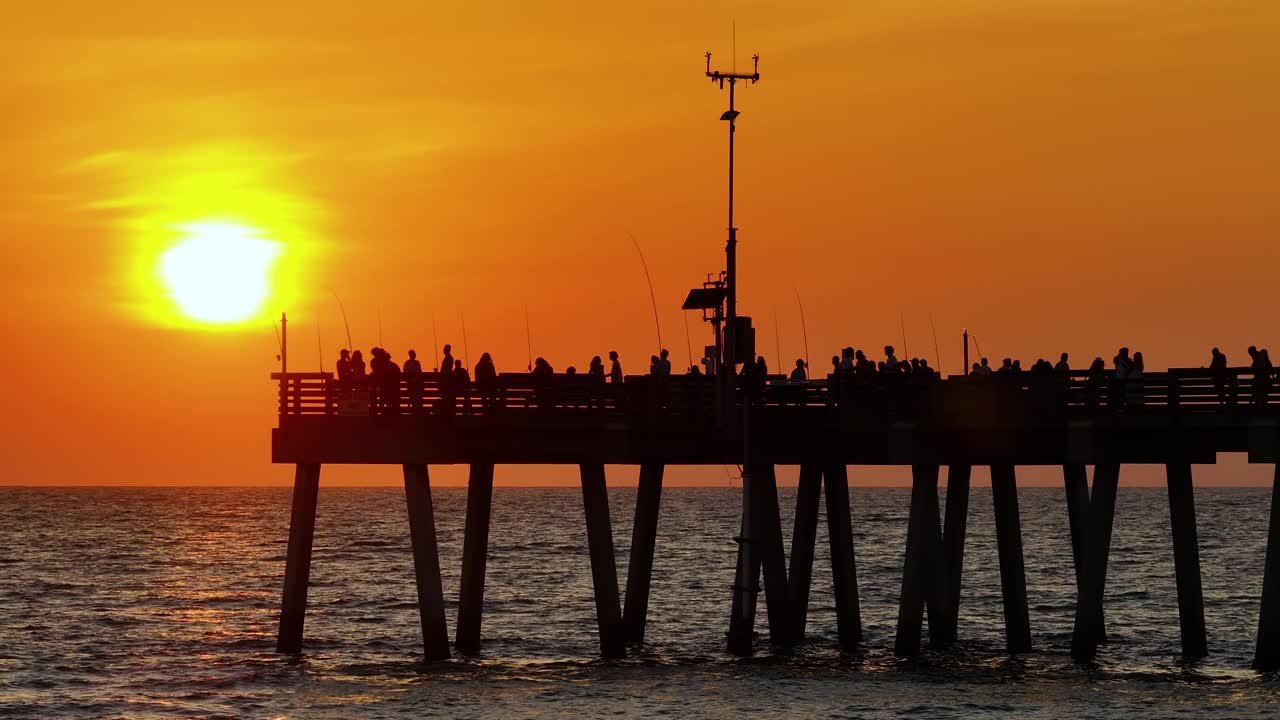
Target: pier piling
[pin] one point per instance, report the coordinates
(953, 534)
(1013, 579)
(475, 555)
(844, 567)
(921, 578)
(1267, 652)
(746, 578)
(803, 542)
(644, 537)
(1186, 560)
(1075, 480)
(604, 573)
(773, 556)
(426, 562)
(1089, 630)
(297, 569)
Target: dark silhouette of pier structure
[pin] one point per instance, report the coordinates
(1180, 419)
(1072, 420)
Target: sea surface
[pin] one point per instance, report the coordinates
(162, 603)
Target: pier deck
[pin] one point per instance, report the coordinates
(1176, 418)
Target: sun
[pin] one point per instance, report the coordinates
(219, 272)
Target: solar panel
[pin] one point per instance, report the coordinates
(704, 299)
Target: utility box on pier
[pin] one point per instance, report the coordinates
(740, 336)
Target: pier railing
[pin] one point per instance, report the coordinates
(876, 395)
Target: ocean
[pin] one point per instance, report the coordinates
(162, 603)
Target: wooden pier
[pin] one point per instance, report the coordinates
(1178, 419)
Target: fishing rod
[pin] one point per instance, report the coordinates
(279, 342)
(343, 310)
(688, 344)
(528, 337)
(777, 342)
(435, 340)
(649, 280)
(903, 320)
(937, 357)
(466, 354)
(803, 329)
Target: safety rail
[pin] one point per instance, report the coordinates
(891, 396)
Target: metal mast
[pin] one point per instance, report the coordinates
(731, 247)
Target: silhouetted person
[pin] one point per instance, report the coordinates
(615, 367)
(1006, 366)
(798, 375)
(890, 360)
(344, 369)
(653, 365)
(390, 385)
(595, 370)
(1123, 365)
(448, 398)
(925, 370)
(1218, 370)
(835, 365)
(358, 378)
(664, 363)
(984, 368)
(413, 380)
(695, 371)
(1135, 384)
(446, 363)
(1063, 366)
(1262, 369)
(487, 382)
(462, 385)
(862, 365)
(1097, 378)
(847, 362)
(377, 375)
(1017, 367)
(760, 377)
(571, 371)
(542, 369)
(542, 374)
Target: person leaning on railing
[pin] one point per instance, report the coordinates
(1262, 372)
(487, 383)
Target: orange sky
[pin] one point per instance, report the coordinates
(1053, 174)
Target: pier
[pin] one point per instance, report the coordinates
(1075, 421)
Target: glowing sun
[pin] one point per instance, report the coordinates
(219, 272)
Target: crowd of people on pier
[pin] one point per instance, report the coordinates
(391, 386)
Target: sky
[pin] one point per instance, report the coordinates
(1053, 175)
